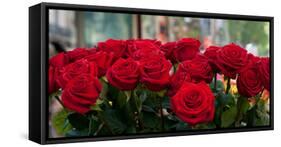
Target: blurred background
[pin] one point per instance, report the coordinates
(71, 29)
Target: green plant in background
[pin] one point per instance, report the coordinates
(246, 32)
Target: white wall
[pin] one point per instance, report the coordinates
(14, 71)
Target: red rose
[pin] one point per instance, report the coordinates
(131, 47)
(155, 73)
(81, 92)
(195, 70)
(92, 51)
(177, 80)
(76, 54)
(211, 54)
(248, 81)
(55, 64)
(103, 61)
(186, 49)
(198, 68)
(157, 43)
(264, 71)
(168, 50)
(77, 68)
(144, 54)
(118, 47)
(52, 79)
(58, 60)
(194, 103)
(123, 74)
(231, 59)
(141, 49)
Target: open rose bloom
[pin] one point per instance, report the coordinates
(143, 86)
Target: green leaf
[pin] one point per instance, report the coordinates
(151, 121)
(104, 91)
(182, 126)
(148, 109)
(218, 112)
(169, 123)
(99, 102)
(228, 117)
(205, 126)
(97, 107)
(263, 117)
(161, 93)
(122, 98)
(56, 93)
(151, 100)
(128, 115)
(78, 121)
(220, 85)
(94, 126)
(222, 101)
(61, 123)
(143, 95)
(242, 107)
(113, 119)
(251, 116)
(103, 130)
(227, 99)
(104, 79)
(128, 95)
(137, 102)
(243, 104)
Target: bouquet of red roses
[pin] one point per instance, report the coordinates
(144, 86)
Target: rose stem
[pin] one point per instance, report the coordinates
(90, 127)
(215, 82)
(227, 86)
(58, 99)
(99, 128)
(141, 125)
(161, 113)
(105, 123)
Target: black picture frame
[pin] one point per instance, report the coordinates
(38, 67)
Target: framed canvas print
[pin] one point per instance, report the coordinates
(100, 73)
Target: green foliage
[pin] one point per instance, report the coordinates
(228, 117)
(263, 118)
(139, 111)
(151, 121)
(113, 121)
(97, 107)
(60, 123)
(105, 89)
(219, 86)
(78, 121)
(182, 126)
(242, 108)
